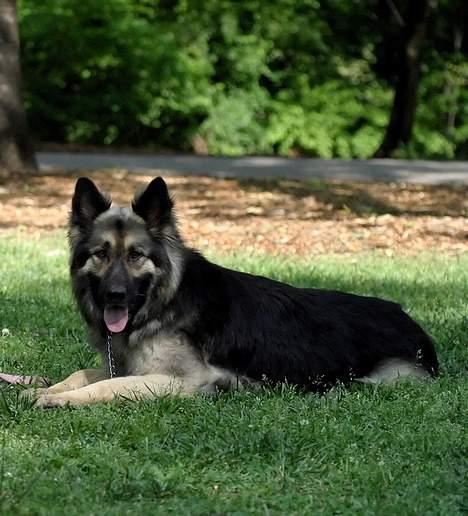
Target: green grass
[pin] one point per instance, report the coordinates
(365, 450)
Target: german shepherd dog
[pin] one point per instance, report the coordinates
(180, 324)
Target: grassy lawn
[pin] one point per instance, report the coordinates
(364, 451)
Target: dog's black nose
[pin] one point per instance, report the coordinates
(116, 295)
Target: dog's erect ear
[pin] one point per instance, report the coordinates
(87, 203)
(154, 204)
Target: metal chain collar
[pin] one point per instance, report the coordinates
(110, 356)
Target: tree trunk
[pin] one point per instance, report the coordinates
(16, 152)
(460, 12)
(405, 99)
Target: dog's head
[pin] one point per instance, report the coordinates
(124, 261)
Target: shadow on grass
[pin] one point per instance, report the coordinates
(29, 310)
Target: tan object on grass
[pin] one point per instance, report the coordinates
(17, 379)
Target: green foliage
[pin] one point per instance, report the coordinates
(350, 126)
(235, 123)
(287, 77)
(102, 72)
(368, 450)
(444, 104)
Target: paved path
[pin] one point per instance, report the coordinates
(424, 172)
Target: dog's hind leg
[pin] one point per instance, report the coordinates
(127, 387)
(392, 370)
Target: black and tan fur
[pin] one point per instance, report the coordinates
(194, 326)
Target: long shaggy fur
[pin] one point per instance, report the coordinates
(195, 326)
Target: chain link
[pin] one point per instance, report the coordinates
(110, 356)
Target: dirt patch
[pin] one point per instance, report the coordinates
(278, 217)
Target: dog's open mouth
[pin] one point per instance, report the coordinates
(116, 318)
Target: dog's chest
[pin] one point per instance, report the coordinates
(168, 354)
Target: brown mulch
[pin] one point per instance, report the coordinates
(279, 217)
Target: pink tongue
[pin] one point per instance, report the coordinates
(116, 319)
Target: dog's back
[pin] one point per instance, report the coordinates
(262, 329)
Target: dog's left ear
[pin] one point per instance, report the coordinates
(154, 204)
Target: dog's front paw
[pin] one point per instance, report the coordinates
(51, 401)
(30, 394)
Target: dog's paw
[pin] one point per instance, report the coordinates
(31, 394)
(51, 401)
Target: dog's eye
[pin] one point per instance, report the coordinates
(134, 256)
(100, 254)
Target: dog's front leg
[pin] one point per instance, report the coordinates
(76, 380)
(79, 379)
(127, 387)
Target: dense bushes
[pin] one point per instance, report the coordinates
(281, 77)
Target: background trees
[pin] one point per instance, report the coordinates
(409, 45)
(288, 77)
(16, 154)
